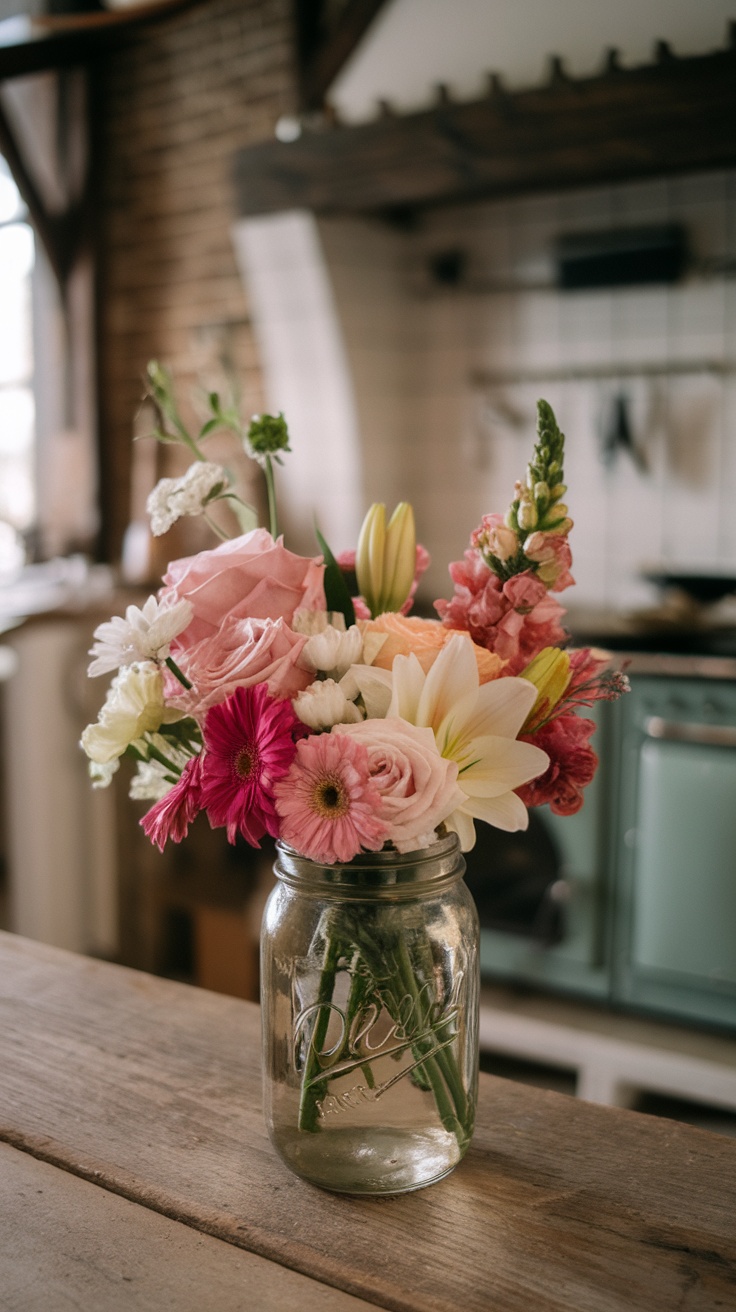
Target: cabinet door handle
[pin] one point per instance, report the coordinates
(680, 731)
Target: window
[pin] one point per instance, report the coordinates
(17, 407)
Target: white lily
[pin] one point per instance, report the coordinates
(476, 726)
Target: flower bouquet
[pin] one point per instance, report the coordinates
(297, 697)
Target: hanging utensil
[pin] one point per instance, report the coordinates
(618, 435)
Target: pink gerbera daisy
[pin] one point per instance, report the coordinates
(173, 814)
(249, 745)
(327, 802)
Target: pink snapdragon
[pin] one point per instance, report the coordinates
(572, 764)
(552, 555)
(493, 537)
(514, 619)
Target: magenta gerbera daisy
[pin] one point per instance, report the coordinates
(173, 814)
(327, 802)
(248, 746)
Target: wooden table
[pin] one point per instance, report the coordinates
(135, 1173)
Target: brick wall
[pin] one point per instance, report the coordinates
(172, 108)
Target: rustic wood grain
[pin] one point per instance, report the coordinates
(153, 1089)
(662, 118)
(67, 1244)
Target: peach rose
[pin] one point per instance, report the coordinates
(417, 786)
(250, 577)
(426, 638)
(240, 653)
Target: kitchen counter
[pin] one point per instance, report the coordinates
(136, 1173)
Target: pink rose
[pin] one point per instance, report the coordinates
(250, 577)
(417, 786)
(240, 653)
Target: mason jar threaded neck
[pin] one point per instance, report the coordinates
(384, 874)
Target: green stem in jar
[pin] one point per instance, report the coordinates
(312, 1087)
(445, 1055)
(437, 1067)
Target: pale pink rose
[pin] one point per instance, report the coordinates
(417, 786)
(250, 577)
(551, 552)
(242, 652)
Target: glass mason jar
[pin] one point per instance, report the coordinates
(369, 996)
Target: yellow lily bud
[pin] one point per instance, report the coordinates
(550, 674)
(400, 560)
(385, 559)
(369, 553)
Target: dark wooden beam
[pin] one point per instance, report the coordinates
(673, 115)
(50, 41)
(324, 46)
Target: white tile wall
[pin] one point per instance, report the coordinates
(427, 433)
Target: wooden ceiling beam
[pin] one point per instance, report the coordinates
(673, 115)
(324, 46)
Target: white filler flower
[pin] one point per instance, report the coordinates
(173, 497)
(143, 635)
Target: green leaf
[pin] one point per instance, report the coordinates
(247, 516)
(336, 589)
(209, 427)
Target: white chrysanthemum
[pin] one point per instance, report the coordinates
(332, 651)
(143, 635)
(134, 706)
(173, 497)
(324, 704)
(476, 726)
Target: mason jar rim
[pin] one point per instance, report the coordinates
(387, 873)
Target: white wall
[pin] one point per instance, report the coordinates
(414, 44)
(428, 433)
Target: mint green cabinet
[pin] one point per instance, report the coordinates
(649, 864)
(674, 941)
